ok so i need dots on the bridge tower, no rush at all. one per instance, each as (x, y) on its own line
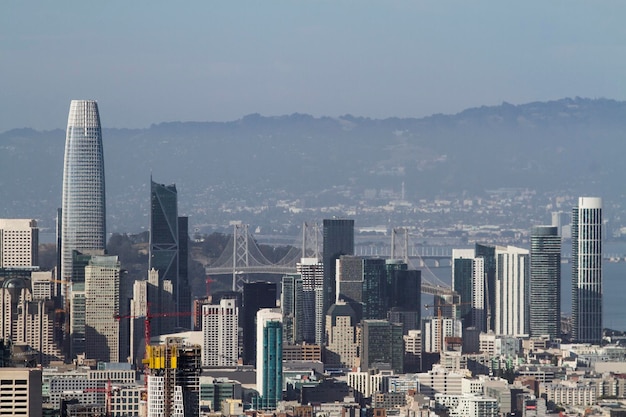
(311, 233)
(240, 253)
(400, 244)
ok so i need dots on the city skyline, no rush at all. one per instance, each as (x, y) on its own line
(346, 335)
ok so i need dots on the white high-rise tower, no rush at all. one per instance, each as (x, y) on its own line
(219, 332)
(83, 226)
(512, 291)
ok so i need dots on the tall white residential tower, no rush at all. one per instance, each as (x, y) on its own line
(220, 324)
(512, 291)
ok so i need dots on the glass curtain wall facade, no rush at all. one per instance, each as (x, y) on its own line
(374, 289)
(405, 298)
(269, 375)
(382, 344)
(587, 270)
(462, 278)
(291, 299)
(256, 296)
(545, 281)
(169, 246)
(83, 224)
(338, 237)
(488, 253)
(311, 271)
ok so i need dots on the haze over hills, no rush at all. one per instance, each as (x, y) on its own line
(572, 146)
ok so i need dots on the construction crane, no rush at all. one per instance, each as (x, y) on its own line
(148, 316)
(440, 318)
(208, 281)
(108, 390)
(65, 284)
(66, 303)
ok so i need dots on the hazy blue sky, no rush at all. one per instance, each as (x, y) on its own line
(153, 61)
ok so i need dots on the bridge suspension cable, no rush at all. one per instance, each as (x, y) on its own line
(242, 255)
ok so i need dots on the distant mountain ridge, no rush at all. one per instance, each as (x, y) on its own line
(569, 144)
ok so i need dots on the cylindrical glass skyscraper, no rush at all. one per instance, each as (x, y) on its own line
(83, 225)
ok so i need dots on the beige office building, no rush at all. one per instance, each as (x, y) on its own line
(19, 243)
(20, 392)
(102, 305)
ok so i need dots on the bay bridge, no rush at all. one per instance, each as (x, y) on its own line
(242, 256)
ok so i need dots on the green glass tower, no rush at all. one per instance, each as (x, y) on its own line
(269, 366)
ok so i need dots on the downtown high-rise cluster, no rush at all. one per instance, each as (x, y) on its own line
(337, 313)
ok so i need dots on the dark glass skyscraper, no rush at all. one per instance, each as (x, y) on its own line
(488, 253)
(168, 245)
(338, 240)
(256, 296)
(587, 270)
(545, 281)
(382, 344)
(83, 224)
(291, 304)
(462, 282)
(375, 301)
(405, 295)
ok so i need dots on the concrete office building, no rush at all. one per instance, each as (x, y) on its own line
(27, 317)
(103, 340)
(312, 274)
(20, 392)
(19, 243)
(220, 326)
(436, 330)
(341, 338)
